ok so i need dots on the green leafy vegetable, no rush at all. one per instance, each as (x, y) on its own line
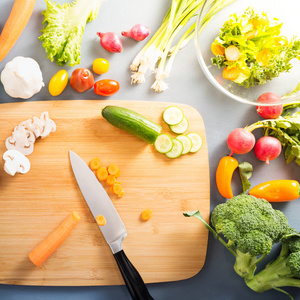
(264, 53)
(245, 170)
(62, 34)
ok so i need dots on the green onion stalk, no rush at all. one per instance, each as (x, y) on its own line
(159, 50)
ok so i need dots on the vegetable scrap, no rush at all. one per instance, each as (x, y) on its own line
(101, 221)
(15, 24)
(49, 245)
(146, 214)
(158, 50)
(63, 43)
(22, 77)
(109, 175)
(252, 50)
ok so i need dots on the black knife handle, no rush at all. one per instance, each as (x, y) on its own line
(132, 278)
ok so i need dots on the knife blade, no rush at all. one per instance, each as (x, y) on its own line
(114, 230)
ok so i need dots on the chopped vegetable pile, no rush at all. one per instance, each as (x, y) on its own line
(251, 49)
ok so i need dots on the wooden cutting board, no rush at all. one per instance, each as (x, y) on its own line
(168, 247)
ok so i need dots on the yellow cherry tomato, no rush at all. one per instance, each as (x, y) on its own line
(100, 65)
(58, 83)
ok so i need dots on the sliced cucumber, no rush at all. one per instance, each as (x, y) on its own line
(176, 150)
(163, 143)
(173, 115)
(182, 127)
(186, 143)
(196, 141)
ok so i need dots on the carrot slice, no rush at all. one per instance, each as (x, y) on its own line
(118, 174)
(101, 221)
(117, 188)
(281, 41)
(111, 180)
(113, 169)
(146, 214)
(263, 57)
(231, 73)
(101, 173)
(232, 53)
(217, 49)
(251, 34)
(112, 189)
(47, 247)
(121, 194)
(95, 164)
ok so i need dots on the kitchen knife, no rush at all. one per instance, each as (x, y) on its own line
(114, 230)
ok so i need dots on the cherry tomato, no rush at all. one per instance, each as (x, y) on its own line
(58, 83)
(100, 65)
(82, 80)
(106, 87)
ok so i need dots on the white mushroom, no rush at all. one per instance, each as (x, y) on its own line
(31, 126)
(49, 125)
(15, 162)
(21, 140)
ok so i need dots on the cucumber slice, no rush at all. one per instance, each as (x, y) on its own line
(196, 141)
(163, 143)
(176, 150)
(186, 143)
(181, 127)
(173, 115)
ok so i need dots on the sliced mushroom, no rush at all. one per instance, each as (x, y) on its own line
(49, 126)
(15, 162)
(21, 140)
(31, 126)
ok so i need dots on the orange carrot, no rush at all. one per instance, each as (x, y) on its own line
(146, 214)
(111, 180)
(231, 73)
(217, 49)
(121, 194)
(118, 174)
(101, 221)
(251, 34)
(263, 57)
(15, 24)
(232, 53)
(113, 169)
(101, 173)
(112, 189)
(117, 188)
(47, 247)
(95, 164)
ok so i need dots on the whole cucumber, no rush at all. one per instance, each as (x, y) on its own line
(132, 122)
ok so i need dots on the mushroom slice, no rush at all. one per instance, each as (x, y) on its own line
(21, 140)
(31, 126)
(49, 126)
(15, 162)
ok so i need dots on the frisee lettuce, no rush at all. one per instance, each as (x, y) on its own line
(266, 37)
(63, 29)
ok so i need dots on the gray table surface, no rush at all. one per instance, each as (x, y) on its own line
(217, 279)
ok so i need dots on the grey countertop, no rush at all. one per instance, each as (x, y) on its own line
(217, 279)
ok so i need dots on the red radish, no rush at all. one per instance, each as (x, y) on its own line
(240, 141)
(267, 148)
(110, 42)
(138, 32)
(272, 111)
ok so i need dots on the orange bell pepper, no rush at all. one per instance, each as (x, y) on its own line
(224, 173)
(277, 190)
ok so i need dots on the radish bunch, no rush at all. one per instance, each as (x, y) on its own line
(242, 140)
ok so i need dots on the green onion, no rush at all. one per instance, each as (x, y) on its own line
(159, 54)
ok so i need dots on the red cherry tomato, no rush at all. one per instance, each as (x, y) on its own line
(82, 80)
(106, 87)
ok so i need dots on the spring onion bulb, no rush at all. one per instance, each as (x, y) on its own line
(159, 53)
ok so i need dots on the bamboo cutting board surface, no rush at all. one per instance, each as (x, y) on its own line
(168, 247)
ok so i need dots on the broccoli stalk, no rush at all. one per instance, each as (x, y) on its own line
(250, 225)
(283, 271)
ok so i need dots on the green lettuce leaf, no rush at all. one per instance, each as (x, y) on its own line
(63, 29)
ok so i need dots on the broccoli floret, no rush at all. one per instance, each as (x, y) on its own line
(284, 270)
(251, 227)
